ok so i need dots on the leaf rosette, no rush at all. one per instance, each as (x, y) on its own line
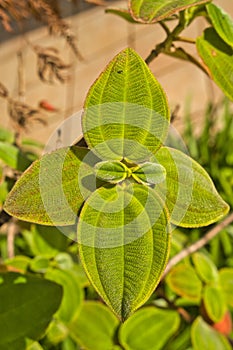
(124, 190)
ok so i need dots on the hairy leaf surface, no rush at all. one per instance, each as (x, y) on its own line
(123, 244)
(124, 118)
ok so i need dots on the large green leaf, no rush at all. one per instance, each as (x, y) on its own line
(190, 195)
(218, 57)
(150, 11)
(222, 22)
(149, 328)
(126, 111)
(205, 337)
(124, 244)
(95, 327)
(184, 281)
(26, 308)
(53, 189)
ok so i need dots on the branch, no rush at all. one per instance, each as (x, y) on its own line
(199, 244)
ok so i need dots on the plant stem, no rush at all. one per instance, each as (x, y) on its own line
(199, 244)
(185, 40)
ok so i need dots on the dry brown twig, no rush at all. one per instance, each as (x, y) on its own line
(50, 65)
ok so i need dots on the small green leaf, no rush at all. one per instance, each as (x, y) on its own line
(95, 327)
(26, 308)
(52, 189)
(149, 328)
(184, 281)
(222, 22)
(205, 337)
(13, 156)
(114, 223)
(214, 303)
(189, 192)
(218, 57)
(72, 294)
(149, 173)
(6, 135)
(113, 172)
(126, 112)
(205, 267)
(39, 264)
(19, 262)
(151, 11)
(226, 282)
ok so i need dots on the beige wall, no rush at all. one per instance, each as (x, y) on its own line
(100, 37)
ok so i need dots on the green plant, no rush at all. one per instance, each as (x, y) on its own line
(127, 191)
(141, 187)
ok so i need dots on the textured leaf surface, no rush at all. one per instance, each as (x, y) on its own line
(218, 57)
(184, 281)
(52, 189)
(124, 90)
(205, 337)
(149, 328)
(149, 173)
(150, 11)
(190, 195)
(124, 244)
(26, 308)
(95, 327)
(205, 267)
(113, 172)
(222, 22)
(214, 302)
(226, 281)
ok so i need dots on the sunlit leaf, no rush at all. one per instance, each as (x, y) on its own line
(53, 189)
(123, 13)
(149, 328)
(149, 173)
(222, 22)
(214, 302)
(205, 267)
(124, 244)
(95, 327)
(205, 337)
(190, 195)
(218, 57)
(150, 11)
(184, 281)
(113, 172)
(13, 156)
(26, 308)
(125, 118)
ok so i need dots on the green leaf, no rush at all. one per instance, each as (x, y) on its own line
(151, 11)
(12, 156)
(95, 327)
(126, 89)
(72, 294)
(53, 189)
(39, 264)
(226, 282)
(6, 135)
(113, 172)
(218, 57)
(149, 173)
(123, 228)
(19, 262)
(149, 328)
(26, 308)
(222, 22)
(205, 267)
(205, 337)
(184, 281)
(214, 303)
(190, 195)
